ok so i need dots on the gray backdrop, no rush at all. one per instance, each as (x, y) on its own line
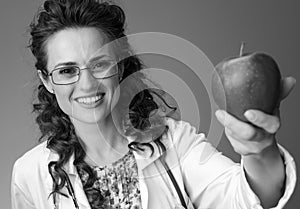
(217, 27)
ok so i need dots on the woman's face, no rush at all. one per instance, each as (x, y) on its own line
(81, 47)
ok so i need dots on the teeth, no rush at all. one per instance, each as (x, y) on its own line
(89, 100)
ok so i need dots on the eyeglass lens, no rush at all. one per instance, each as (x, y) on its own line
(70, 74)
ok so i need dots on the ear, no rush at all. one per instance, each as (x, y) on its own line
(47, 83)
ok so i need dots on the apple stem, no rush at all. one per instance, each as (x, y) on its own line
(242, 48)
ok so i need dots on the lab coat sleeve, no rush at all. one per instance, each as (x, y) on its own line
(214, 181)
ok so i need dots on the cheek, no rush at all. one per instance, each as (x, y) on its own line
(63, 96)
(114, 92)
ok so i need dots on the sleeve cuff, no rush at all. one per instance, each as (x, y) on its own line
(290, 183)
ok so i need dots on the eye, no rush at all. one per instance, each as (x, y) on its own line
(67, 71)
(102, 65)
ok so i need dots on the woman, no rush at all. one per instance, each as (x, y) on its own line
(95, 155)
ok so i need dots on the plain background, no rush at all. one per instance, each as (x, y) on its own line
(217, 27)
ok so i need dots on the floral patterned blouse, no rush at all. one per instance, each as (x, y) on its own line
(117, 183)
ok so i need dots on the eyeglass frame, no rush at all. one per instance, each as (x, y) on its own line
(79, 71)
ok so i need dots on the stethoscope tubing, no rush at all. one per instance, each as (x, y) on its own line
(71, 190)
(166, 167)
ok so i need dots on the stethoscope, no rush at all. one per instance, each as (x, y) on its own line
(166, 167)
(71, 190)
(68, 185)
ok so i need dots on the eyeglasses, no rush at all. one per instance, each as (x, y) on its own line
(70, 74)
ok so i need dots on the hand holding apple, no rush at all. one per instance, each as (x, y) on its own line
(247, 139)
(251, 131)
(250, 81)
(249, 89)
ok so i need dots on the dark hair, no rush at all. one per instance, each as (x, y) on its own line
(54, 124)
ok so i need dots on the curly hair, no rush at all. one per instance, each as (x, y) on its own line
(54, 124)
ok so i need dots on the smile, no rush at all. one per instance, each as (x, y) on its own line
(90, 100)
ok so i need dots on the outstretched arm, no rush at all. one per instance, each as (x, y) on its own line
(257, 145)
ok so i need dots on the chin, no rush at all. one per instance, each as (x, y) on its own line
(89, 118)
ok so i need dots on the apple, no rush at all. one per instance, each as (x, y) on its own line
(249, 81)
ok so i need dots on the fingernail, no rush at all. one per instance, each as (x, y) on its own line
(220, 115)
(250, 115)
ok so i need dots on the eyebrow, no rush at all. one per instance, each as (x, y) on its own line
(65, 64)
(74, 63)
(99, 57)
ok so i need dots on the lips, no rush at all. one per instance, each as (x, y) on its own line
(89, 100)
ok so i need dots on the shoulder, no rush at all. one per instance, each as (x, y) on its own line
(30, 177)
(184, 136)
(180, 130)
(33, 156)
(32, 161)
(179, 127)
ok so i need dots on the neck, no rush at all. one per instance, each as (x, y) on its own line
(102, 141)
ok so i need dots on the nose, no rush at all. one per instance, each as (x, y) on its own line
(87, 81)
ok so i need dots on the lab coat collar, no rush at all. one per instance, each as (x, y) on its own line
(143, 159)
(147, 157)
(68, 167)
(75, 181)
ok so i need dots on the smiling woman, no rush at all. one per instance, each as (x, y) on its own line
(77, 56)
(80, 73)
(98, 150)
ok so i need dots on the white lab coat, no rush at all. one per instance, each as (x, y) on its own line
(207, 178)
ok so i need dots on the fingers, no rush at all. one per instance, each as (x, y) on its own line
(270, 123)
(245, 138)
(234, 127)
(287, 85)
(244, 131)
